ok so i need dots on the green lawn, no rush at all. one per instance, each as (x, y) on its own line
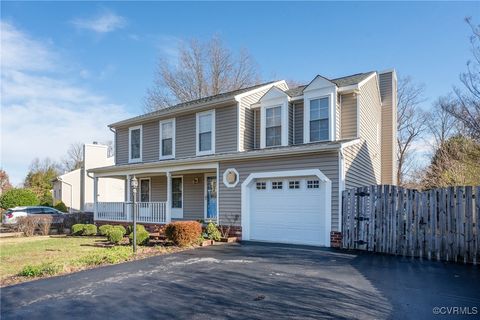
(47, 255)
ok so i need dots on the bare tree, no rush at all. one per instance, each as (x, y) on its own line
(4, 181)
(111, 148)
(74, 158)
(410, 124)
(203, 69)
(441, 124)
(467, 108)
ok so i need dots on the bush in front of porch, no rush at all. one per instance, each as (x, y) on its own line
(183, 233)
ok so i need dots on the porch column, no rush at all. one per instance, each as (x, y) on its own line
(168, 208)
(127, 206)
(95, 198)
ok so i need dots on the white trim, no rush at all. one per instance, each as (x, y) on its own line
(177, 213)
(205, 200)
(361, 83)
(357, 97)
(245, 196)
(239, 142)
(242, 95)
(130, 129)
(332, 101)
(226, 183)
(218, 193)
(283, 105)
(197, 144)
(169, 198)
(140, 189)
(162, 122)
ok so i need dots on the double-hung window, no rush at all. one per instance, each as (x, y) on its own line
(135, 144)
(319, 119)
(273, 126)
(167, 139)
(206, 132)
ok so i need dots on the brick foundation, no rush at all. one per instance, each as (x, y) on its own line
(335, 239)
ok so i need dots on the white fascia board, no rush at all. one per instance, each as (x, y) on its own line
(238, 97)
(361, 83)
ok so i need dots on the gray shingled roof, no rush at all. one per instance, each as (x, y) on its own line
(184, 105)
(340, 82)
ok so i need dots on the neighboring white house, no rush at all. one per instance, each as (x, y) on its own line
(75, 188)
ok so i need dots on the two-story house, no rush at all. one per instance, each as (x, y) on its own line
(269, 159)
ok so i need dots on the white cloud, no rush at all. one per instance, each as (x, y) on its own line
(42, 113)
(105, 22)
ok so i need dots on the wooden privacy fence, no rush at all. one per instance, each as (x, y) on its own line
(441, 224)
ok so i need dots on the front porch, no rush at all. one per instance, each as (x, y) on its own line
(164, 194)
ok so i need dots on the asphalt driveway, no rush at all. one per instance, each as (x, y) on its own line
(251, 281)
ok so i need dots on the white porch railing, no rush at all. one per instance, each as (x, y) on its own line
(147, 212)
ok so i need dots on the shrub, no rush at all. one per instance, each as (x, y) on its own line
(27, 225)
(89, 230)
(212, 232)
(183, 233)
(60, 206)
(122, 228)
(142, 237)
(18, 197)
(111, 255)
(115, 235)
(104, 229)
(139, 228)
(77, 229)
(44, 223)
(39, 270)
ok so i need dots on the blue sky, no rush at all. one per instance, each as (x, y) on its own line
(69, 69)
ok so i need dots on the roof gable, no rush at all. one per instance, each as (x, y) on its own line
(319, 82)
(273, 93)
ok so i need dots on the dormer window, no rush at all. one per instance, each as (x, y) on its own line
(273, 126)
(135, 144)
(319, 119)
(167, 139)
(206, 132)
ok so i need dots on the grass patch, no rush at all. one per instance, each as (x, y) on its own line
(22, 259)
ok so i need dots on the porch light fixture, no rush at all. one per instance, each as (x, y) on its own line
(134, 184)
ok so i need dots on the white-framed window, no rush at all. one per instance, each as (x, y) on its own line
(319, 119)
(167, 139)
(205, 132)
(273, 126)
(177, 192)
(294, 184)
(313, 184)
(144, 190)
(135, 144)
(262, 185)
(277, 185)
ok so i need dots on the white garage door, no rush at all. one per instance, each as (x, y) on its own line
(288, 210)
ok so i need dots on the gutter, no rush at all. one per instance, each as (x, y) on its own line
(245, 155)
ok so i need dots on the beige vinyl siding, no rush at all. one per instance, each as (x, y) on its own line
(151, 145)
(226, 129)
(121, 145)
(159, 188)
(298, 134)
(348, 116)
(185, 131)
(337, 118)
(246, 119)
(370, 121)
(389, 133)
(290, 124)
(257, 128)
(230, 198)
(359, 170)
(193, 196)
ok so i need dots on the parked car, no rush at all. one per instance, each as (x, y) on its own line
(10, 216)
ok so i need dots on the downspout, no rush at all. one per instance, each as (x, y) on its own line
(341, 186)
(293, 123)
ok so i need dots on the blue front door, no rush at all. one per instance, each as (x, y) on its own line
(211, 189)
